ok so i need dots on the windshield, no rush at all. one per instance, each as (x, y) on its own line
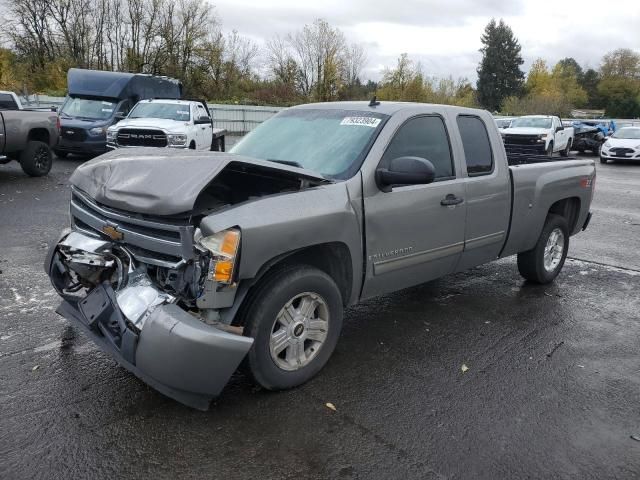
(167, 111)
(533, 122)
(88, 108)
(628, 133)
(502, 123)
(330, 142)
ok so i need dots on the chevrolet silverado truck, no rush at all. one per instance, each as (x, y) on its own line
(538, 134)
(28, 137)
(183, 264)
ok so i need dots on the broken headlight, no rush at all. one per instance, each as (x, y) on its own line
(224, 250)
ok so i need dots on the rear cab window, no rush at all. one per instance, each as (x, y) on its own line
(7, 102)
(425, 137)
(477, 146)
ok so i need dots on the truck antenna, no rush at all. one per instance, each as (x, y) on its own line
(374, 101)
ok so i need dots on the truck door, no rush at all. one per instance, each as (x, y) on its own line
(559, 135)
(205, 131)
(487, 193)
(415, 233)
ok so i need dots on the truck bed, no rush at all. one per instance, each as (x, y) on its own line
(536, 179)
(524, 158)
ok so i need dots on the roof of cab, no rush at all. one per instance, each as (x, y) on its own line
(384, 107)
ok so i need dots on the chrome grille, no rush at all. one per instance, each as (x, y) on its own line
(153, 241)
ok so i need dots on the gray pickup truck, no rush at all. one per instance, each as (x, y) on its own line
(184, 264)
(28, 137)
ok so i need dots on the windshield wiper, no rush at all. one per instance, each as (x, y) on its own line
(290, 163)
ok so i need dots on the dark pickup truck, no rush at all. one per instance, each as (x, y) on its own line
(181, 264)
(28, 136)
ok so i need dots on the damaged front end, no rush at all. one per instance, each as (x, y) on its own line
(138, 275)
(135, 285)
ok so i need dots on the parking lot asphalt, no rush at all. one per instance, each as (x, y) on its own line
(552, 387)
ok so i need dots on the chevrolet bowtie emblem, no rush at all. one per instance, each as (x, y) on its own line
(112, 232)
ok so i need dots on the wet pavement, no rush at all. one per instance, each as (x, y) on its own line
(552, 388)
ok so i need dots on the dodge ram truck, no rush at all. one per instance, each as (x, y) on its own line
(28, 137)
(183, 264)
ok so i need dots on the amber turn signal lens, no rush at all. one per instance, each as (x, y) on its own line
(223, 271)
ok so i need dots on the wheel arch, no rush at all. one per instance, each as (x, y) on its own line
(569, 208)
(39, 134)
(333, 258)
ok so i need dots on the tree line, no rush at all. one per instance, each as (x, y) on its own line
(185, 39)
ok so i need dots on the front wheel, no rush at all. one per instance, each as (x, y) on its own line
(36, 159)
(543, 263)
(295, 318)
(603, 160)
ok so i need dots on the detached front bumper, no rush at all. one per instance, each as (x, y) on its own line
(173, 352)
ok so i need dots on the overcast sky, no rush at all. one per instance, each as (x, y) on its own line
(445, 35)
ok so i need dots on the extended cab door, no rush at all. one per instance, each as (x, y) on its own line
(414, 233)
(487, 190)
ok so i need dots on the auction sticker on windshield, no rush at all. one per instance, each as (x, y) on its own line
(361, 121)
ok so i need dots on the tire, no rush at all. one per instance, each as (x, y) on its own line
(267, 364)
(532, 265)
(603, 160)
(550, 150)
(567, 150)
(61, 154)
(192, 146)
(36, 159)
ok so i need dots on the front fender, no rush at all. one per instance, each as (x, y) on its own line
(277, 225)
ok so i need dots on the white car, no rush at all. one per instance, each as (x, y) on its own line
(164, 123)
(624, 144)
(544, 134)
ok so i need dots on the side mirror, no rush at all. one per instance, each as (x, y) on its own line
(559, 128)
(120, 116)
(54, 109)
(405, 171)
(202, 120)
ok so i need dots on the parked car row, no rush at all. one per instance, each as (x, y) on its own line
(105, 111)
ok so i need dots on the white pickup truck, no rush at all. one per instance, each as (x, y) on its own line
(538, 134)
(167, 123)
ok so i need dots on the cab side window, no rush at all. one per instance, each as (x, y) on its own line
(476, 144)
(202, 112)
(425, 137)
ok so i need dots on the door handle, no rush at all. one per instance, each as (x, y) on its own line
(451, 200)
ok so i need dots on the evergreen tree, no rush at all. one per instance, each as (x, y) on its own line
(499, 74)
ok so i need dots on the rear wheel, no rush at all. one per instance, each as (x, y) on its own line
(567, 149)
(543, 263)
(295, 318)
(36, 159)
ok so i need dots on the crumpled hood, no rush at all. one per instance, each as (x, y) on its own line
(161, 181)
(161, 123)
